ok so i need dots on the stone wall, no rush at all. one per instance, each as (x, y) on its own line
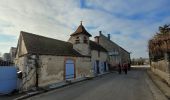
(27, 68)
(162, 68)
(102, 57)
(50, 69)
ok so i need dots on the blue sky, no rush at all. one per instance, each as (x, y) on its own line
(131, 23)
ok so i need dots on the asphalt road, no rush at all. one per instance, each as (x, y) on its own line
(132, 86)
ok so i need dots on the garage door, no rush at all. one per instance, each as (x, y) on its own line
(69, 70)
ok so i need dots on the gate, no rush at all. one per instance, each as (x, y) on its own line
(69, 70)
(8, 79)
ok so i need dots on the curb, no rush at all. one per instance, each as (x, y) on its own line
(47, 90)
(67, 83)
(156, 80)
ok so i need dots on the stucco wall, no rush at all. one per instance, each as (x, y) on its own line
(94, 55)
(22, 48)
(83, 67)
(51, 69)
(102, 58)
(81, 47)
(27, 68)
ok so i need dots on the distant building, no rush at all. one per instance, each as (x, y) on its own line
(6, 57)
(1, 59)
(12, 53)
(140, 61)
(117, 54)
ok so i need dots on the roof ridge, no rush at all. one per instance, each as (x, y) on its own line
(113, 42)
(23, 32)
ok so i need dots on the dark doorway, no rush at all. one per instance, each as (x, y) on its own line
(97, 67)
(105, 69)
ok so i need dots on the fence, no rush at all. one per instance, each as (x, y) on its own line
(8, 79)
(6, 63)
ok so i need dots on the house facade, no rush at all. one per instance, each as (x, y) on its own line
(116, 54)
(45, 61)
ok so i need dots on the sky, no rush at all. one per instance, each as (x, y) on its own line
(131, 23)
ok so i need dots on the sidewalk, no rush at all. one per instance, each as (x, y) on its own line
(11, 96)
(45, 89)
(160, 83)
(51, 87)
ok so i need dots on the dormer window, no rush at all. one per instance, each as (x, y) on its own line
(77, 40)
(85, 40)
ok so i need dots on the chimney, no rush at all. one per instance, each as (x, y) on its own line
(108, 36)
(100, 32)
(96, 39)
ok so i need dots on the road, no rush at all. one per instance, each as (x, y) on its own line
(132, 86)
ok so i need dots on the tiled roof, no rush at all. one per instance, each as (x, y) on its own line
(95, 46)
(81, 30)
(36, 44)
(101, 35)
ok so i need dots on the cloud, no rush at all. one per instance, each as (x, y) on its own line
(130, 22)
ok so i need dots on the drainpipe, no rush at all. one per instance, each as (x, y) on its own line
(36, 71)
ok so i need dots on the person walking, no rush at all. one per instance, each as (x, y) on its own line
(129, 67)
(125, 67)
(119, 68)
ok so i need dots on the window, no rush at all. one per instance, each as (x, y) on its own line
(85, 40)
(77, 40)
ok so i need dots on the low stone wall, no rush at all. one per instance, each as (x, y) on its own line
(161, 68)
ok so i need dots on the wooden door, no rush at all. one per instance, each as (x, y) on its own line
(69, 70)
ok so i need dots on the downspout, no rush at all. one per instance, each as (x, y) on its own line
(36, 71)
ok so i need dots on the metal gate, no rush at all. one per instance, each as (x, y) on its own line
(69, 70)
(8, 79)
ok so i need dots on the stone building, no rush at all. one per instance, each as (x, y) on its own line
(82, 44)
(45, 61)
(115, 52)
